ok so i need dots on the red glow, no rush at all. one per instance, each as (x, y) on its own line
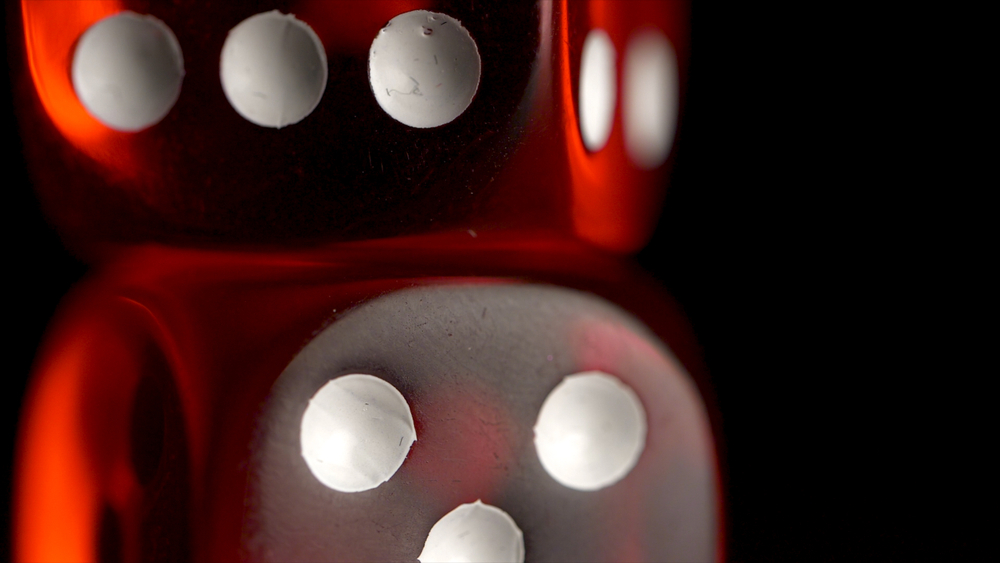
(349, 26)
(51, 30)
(73, 451)
(56, 483)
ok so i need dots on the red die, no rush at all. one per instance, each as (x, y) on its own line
(309, 239)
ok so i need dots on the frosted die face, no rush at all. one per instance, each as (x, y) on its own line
(476, 365)
(127, 71)
(424, 68)
(273, 69)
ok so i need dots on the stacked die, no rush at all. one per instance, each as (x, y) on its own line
(360, 285)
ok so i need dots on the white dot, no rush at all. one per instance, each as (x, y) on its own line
(127, 71)
(356, 432)
(273, 69)
(650, 98)
(474, 532)
(591, 431)
(597, 89)
(424, 68)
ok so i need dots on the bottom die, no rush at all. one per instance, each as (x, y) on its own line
(204, 406)
(551, 405)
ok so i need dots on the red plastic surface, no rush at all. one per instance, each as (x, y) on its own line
(204, 176)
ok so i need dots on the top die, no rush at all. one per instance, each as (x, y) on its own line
(317, 122)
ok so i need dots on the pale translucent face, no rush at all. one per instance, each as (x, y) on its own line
(579, 432)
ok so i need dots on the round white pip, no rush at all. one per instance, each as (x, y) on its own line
(650, 98)
(273, 69)
(597, 89)
(474, 532)
(127, 71)
(424, 68)
(591, 431)
(356, 432)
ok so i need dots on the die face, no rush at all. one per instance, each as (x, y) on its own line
(233, 331)
(476, 363)
(347, 171)
(204, 175)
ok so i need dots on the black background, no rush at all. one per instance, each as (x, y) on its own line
(790, 243)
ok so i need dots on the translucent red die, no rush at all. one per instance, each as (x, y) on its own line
(251, 246)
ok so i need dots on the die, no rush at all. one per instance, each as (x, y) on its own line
(454, 272)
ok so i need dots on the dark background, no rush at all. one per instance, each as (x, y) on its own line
(791, 239)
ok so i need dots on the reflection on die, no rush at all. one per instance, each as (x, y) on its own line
(361, 287)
